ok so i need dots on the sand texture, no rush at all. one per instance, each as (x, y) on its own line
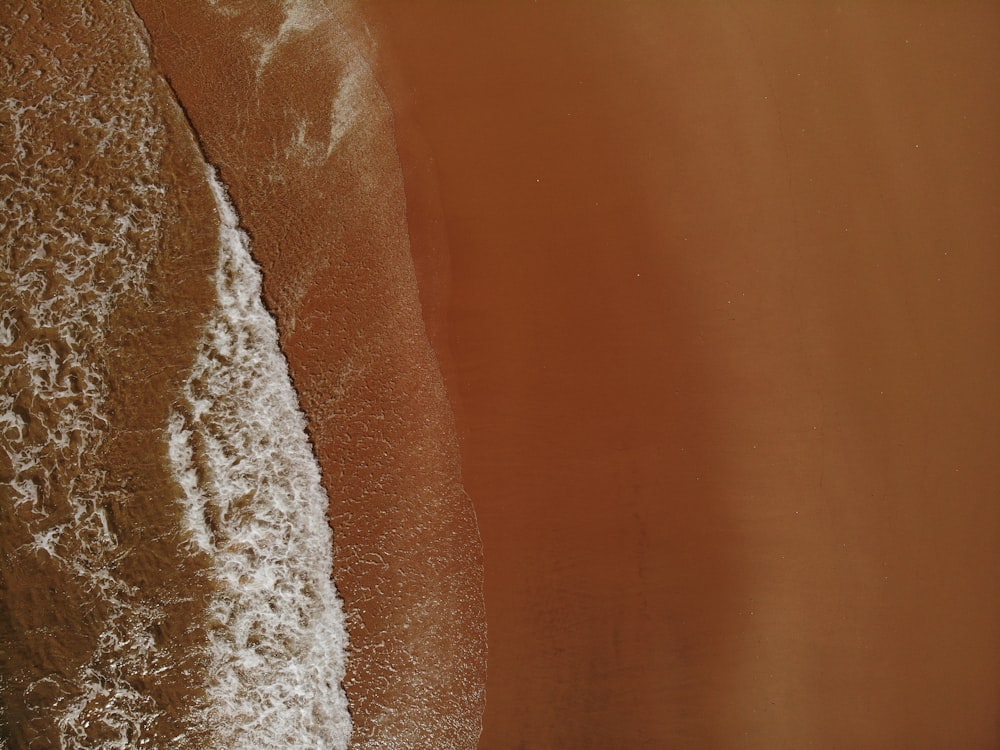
(716, 290)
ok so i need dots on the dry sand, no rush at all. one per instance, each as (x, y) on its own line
(715, 287)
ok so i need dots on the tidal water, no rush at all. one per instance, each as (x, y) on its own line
(167, 558)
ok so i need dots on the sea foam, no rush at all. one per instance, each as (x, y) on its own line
(254, 503)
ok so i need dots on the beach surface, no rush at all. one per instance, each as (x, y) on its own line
(715, 290)
(656, 340)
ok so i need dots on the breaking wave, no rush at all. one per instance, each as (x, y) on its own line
(254, 503)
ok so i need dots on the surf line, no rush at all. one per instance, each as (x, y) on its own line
(254, 502)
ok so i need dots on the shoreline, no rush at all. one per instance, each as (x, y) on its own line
(302, 139)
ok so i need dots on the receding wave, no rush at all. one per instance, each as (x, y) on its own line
(82, 218)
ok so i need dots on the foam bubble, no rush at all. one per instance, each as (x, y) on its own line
(254, 503)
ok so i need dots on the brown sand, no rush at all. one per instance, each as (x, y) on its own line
(716, 290)
(327, 221)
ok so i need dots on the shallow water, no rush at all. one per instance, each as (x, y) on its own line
(303, 137)
(167, 558)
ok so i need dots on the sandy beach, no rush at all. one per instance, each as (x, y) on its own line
(715, 292)
(641, 358)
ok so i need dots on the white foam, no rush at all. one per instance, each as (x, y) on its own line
(345, 112)
(254, 502)
(301, 16)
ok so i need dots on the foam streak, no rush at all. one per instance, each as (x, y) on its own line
(254, 503)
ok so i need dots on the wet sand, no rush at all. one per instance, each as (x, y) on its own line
(715, 290)
(286, 107)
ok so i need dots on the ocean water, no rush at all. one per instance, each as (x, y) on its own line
(166, 557)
